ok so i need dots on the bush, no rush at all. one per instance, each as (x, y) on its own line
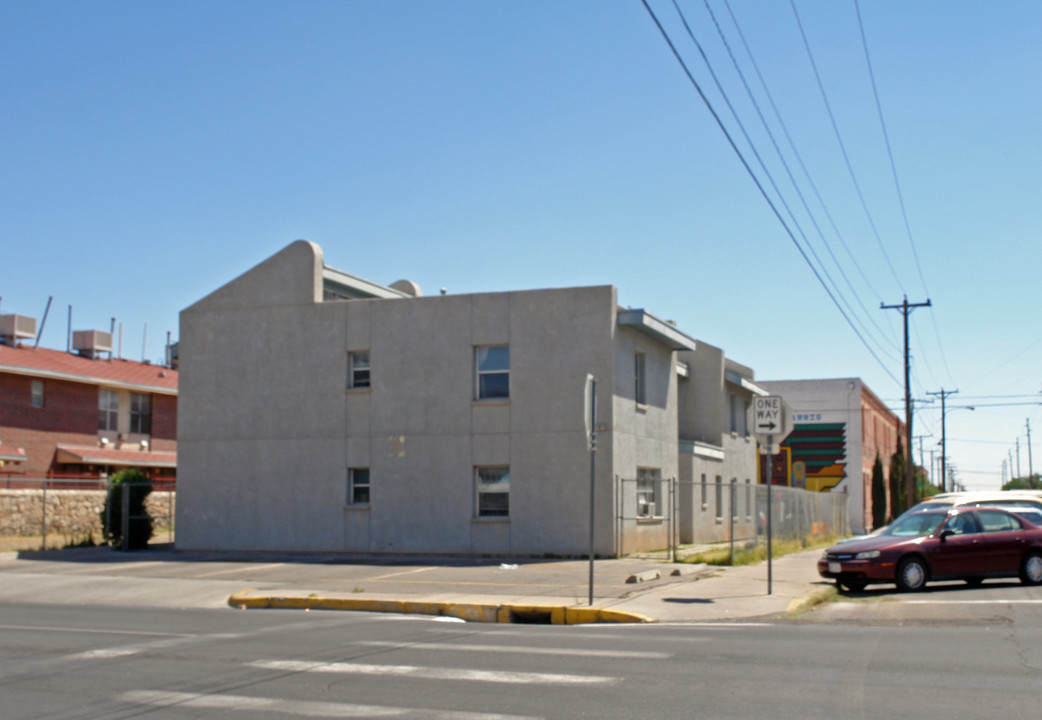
(137, 484)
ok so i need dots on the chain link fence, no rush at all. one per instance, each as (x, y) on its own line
(665, 513)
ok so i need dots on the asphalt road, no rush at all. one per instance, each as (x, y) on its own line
(847, 661)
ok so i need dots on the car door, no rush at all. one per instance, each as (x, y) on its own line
(958, 554)
(1002, 542)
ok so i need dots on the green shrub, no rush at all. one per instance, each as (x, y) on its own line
(137, 484)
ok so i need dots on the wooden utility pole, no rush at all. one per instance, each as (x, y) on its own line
(905, 307)
(944, 448)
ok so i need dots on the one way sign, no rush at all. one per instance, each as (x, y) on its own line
(770, 416)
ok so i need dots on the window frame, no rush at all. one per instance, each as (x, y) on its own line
(488, 476)
(354, 371)
(356, 483)
(108, 416)
(37, 394)
(649, 477)
(483, 371)
(141, 417)
(640, 378)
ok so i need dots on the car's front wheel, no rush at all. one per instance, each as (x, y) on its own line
(1031, 569)
(911, 575)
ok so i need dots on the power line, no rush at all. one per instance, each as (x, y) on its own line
(781, 158)
(759, 186)
(842, 145)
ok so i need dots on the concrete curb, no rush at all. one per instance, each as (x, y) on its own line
(471, 612)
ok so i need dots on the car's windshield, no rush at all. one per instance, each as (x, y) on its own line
(916, 524)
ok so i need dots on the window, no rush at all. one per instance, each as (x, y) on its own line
(108, 409)
(639, 380)
(493, 486)
(358, 370)
(493, 371)
(358, 486)
(649, 499)
(705, 502)
(994, 521)
(36, 399)
(140, 413)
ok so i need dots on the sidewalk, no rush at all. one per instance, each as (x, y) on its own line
(528, 590)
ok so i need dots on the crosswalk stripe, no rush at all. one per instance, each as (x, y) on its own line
(521, 649)
(515, 678)
(298, 708)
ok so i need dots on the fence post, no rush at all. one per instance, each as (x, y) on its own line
(170, 514)
(125, 501)
(43, 515)
(730, 514)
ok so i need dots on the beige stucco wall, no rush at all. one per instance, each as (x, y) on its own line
(268, 428)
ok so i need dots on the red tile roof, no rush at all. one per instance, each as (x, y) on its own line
(109, 456)
(44, 363)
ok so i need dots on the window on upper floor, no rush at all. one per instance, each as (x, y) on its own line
(639, 379)
(492, 376)
(36, 396)
(108, 409)
(140, 413)
(358, 370)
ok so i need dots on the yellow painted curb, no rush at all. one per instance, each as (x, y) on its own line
(809, 600)
(471, 612)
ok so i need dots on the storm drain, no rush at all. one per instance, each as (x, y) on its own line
(530, 617)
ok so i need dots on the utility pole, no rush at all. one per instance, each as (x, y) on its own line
(944, 448)
(905, 309)
(1031, 471)
(1018, 457)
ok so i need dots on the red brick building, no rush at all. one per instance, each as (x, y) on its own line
(84, 413)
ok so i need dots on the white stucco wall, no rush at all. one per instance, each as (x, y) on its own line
(268, 427)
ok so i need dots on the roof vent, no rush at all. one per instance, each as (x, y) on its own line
(91, 343)
(16, 327)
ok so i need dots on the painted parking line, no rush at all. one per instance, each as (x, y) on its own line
(431, 673)
(245, 568)
(296, 708)
(520, 649)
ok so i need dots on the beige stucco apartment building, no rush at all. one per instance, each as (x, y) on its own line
(322, 412)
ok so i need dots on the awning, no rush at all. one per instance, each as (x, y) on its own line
(8, 454)
(87, 455)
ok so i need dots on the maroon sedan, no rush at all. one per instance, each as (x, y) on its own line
(960, 543)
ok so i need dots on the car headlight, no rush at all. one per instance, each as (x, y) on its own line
(867, 555)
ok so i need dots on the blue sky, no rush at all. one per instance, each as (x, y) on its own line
(154, 151)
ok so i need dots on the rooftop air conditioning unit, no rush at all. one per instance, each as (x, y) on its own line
(91, 343)
(16, 327)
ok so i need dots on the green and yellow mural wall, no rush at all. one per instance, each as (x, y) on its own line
(813, 456)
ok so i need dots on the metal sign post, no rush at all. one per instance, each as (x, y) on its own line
(591, 434)
(769, 417)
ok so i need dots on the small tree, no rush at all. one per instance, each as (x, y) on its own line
(897, 481)
(878, 494)
(137, 485)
